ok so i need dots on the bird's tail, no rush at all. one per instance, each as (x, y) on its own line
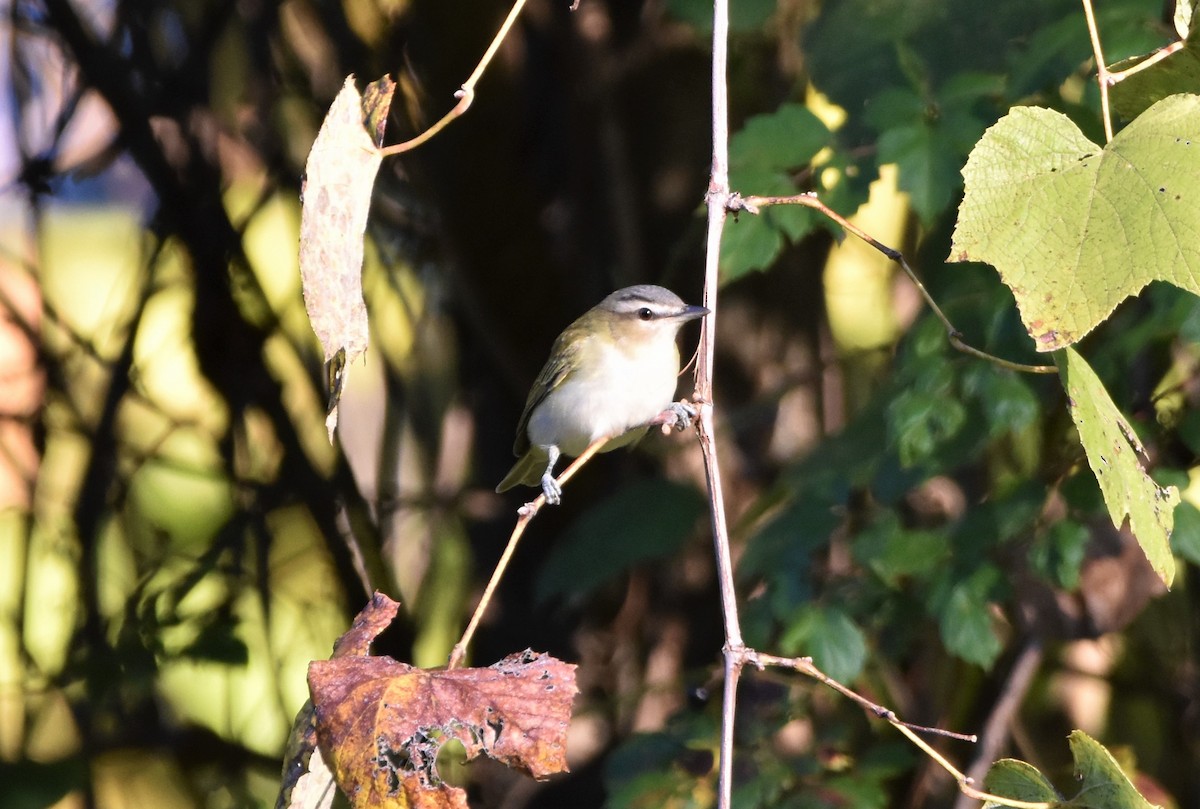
(526, 471)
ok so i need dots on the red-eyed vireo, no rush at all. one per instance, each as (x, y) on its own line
(610, 373)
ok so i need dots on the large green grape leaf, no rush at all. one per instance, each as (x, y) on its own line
(1112, 451)
(1075, 228)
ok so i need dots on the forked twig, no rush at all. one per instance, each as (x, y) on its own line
(1102, 74)
(465, 93)
(809, 199)
(804, 665)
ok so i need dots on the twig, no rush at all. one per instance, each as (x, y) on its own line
(1152, 59)
(1102, 75)
(525, 515)
(804, 665)
(718, 205)
(752, 204)
(465, 93)
(996, 728)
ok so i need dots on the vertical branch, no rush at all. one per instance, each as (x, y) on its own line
(717, 200)
(1102, 74)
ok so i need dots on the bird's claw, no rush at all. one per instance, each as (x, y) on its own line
(551, 489)
(678, 415)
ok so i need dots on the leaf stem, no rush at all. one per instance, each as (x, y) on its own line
(809, 199)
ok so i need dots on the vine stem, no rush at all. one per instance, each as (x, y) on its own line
(717, 199)
(465, 93)
(1102, 75)
(752, 204)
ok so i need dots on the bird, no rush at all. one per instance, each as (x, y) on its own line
(609, 374)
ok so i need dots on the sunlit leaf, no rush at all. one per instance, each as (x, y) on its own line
(1075, 228)
(1113, 451)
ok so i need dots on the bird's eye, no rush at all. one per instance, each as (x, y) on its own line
(645, 314)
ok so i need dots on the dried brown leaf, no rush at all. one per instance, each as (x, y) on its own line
(370, 621)
(306, 782)
(381, 723)
(339, 176)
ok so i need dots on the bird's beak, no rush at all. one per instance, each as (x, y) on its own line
(691, 313)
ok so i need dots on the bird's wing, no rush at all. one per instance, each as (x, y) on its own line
(560, 366)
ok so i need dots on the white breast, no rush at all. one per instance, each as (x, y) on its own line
(614, 396)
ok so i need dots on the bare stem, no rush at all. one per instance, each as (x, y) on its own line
(524, 516)
(804, 665)
(810, 200)
(718, 205)
(1102, 75)
(1152, 59)
(466, 93)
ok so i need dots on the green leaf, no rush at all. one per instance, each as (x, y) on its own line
(894, 553)
(922, 421)
(762, 156)
(830, 637)
(787, 138)
(1074, 228)
(966, 621)
(1006, 398)
(1010, 778)
(1105, 785)
(1179, 72)
(1185, 538)
(648, 520)
(928, 166)
(1112, 450)
(1058, 555)
(748, 244)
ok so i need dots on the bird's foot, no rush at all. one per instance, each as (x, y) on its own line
(678, 415)
(551, 489)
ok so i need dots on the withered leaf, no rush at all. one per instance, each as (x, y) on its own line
(381, 723)
(306, 782)
(372, 619)
(339, 176)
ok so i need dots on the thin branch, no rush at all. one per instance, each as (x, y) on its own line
(809, 199)
(1152, 59)
(997, 727)
(465, 93)
(525, 515)
(717, 200)
(804, 665)
(1102, 75)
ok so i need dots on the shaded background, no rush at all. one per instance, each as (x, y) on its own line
(178, 539)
